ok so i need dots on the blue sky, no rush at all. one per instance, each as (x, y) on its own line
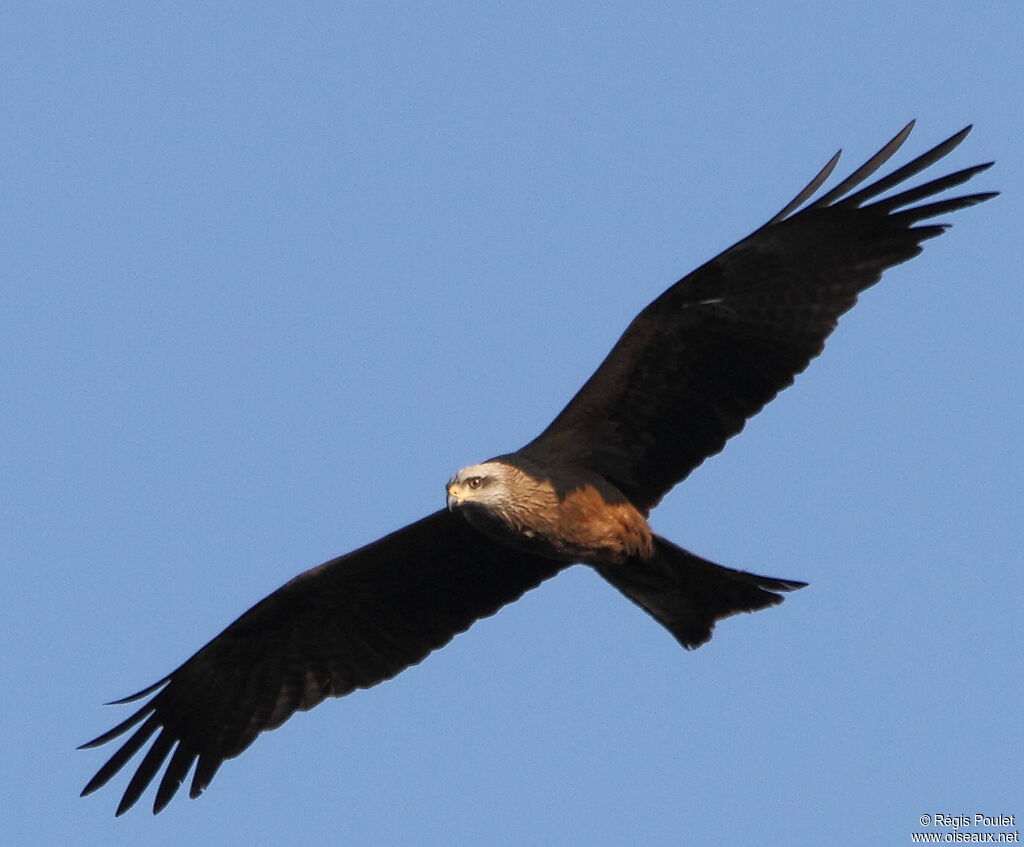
(273, 272)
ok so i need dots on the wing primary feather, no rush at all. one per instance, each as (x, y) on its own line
(941, 207)
(206, 769)
(910, 169)
(120, 729)
(126, 751)
(865, 170)
(808, 189)
(935, 186)
(147, 769)
(131, 698)
(174, 776)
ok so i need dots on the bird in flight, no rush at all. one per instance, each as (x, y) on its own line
(685, 376)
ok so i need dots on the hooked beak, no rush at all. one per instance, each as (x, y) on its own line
(454, 498)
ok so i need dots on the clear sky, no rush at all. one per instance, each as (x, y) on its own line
(273, 271)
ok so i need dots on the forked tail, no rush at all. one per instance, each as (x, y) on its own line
(687, 594)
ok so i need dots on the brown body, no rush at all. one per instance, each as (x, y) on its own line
(567, 513)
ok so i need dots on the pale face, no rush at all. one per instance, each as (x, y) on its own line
(483, 483)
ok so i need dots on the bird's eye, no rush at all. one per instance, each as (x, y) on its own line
(474, 482)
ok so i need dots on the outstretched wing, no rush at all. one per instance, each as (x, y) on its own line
(349, 623)
(711, 351)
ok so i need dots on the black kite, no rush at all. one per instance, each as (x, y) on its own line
(685, 376)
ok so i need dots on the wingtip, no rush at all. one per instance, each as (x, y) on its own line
(96, 742)
(138, 695)
(94, 784)
(901, 136)
(954, 140)
(980, 197)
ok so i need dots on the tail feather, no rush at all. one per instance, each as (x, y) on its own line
(687, 594)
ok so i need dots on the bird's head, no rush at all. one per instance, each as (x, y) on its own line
(484, 485)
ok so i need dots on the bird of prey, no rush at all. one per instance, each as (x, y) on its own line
(684, 377)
